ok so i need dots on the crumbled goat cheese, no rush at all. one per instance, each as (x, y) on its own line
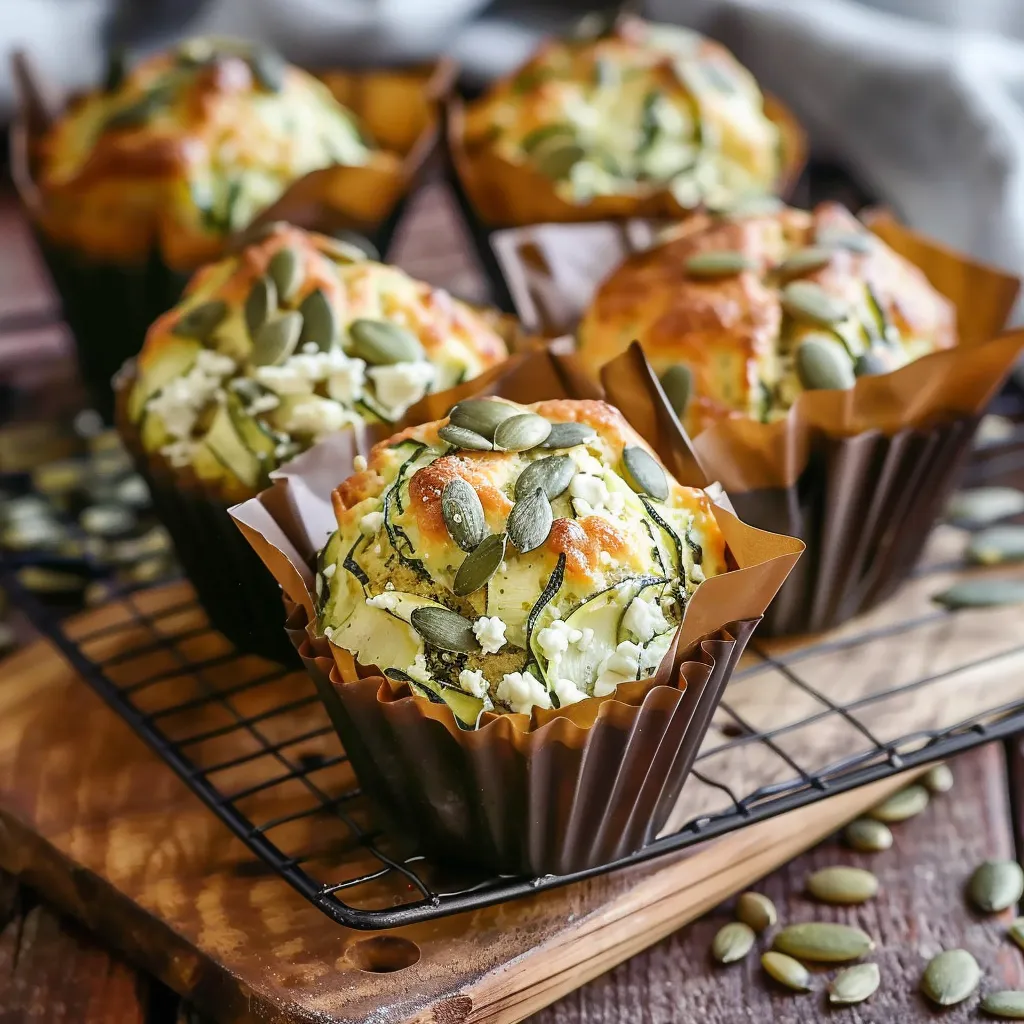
(644, 619)
(586, 638)
(317, 417)
(490, 631)
(263, 403)
(370, 524)
(618, 667)
(347, 383)
(329, 571)
(283, 380)
(554, 640)
(473, 682)
(418, 670)
(386, 602)
(359, 463)
(521, 692)
(568, 692)
(400, 385)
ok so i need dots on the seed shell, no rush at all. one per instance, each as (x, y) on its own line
(870, 364)
(803, 261)
(720, 263)
(809, 303)
(842, 885)
(1016, 932)
(480, 565)
(529, 522)
(445, 629)
(756, 911)
(260, 303)
(521, 432)
(677, 383)
(997, 545)
(902, 805)
(786, 971)
(286, 271)
(868, 836)
(482, 415)
(996, 885)
(320, 324)
(463, 438)
(382, 343)
(568, 435)
(983, 505)
(202, 320)
(276, 340)
(733, 942)
(643, 473)
(552, 475)
(939, 778)
(463, 514)
(822, 365)
(854, 984)
(981, 593)
(951, 977)
(1008, 1005)
(823, 942)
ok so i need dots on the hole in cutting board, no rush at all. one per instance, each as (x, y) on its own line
(383, 954)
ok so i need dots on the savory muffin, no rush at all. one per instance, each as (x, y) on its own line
(640, 109)
(186, 148)
(740, 314)
(512, 557)
(294, 337)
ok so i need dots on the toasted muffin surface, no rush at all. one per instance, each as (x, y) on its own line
(638, 109)
(503, 580)
(747, 331)
(291, 339)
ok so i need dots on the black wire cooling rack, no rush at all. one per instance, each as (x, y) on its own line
(253, 742)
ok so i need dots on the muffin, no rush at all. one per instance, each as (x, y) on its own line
(641, 119)
(295, 337)
(514, 557)
(740, 315)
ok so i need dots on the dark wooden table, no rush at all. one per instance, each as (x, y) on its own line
(51, 969)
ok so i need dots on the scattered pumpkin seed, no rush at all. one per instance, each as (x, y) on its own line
(939, 778)
(529, 522)
(1016, 932)
(810, 303)
(521, 432)
(981, 593)
(445, 629)
(482, 415)
(870, 364)
(560, 132)
(268, 68)
(286, 271)
(463, 514)
(568, 435)
(276, 340)
(902, 805)
(320, 324)
(842, 885)
(202, 320)
(677, 383)
(997, 545)
(260, 303)
(643, 474)
(756, 911)
(463, 438)
(733, 942)
(996, 885)
(823, 942)
(551, 474)
(868, 836)
(854, 984)
(1009, 1005)
(382, 343)
(351, 246)
(983, 505)
(839, 238)
(822, 365)
(786, 971)
(803, 261)
(951, 977)
(720, 263)
(480, 565)
(138, 113)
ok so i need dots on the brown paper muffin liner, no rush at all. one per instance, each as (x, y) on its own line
(110, 299)
(559, 790)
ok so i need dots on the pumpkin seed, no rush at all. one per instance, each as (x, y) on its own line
(552, 475)
(445, 629)
(854, 984)
(138, 113)
(463, 514)
(721, 263)
(351, 247)
(902, 805)
(1016, 932)
(468, 440)
(840, 238)
(810, 303)
(320, 324)
(983, 505)
(756, 911)
(568, 435)
(868, 836)
(276, 340)
(268, 68)
(559, 132)
(643, 473)
(996, 545)
(677, 383)
(982, 593)
(556, 159)
(822, 365)
(202, 320)
(733, 942)
(786, 971)
(521, 432)
(939, 779)
(286, 270)
(870, 364)
(823, 941)
(381, 342)
(803, 261)
(260, 304)
(996, 885)
(951, 977)
(480, 565)
(1009, 1005)
(482, 415)
(529, 522)
(842, 885)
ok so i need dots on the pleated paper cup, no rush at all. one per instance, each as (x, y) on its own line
(557, 790)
